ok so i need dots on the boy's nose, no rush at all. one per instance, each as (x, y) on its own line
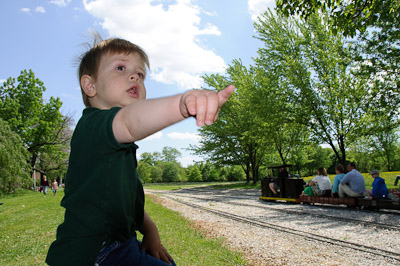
(134, 76)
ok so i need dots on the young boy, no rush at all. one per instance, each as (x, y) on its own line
(104, 198)
(379, 189)
(54, 187)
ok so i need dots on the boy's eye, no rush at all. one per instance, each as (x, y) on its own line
(141, 75)
(120, 68)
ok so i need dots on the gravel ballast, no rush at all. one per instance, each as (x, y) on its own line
(267, 246)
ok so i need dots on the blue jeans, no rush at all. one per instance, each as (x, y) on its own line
(127, 253)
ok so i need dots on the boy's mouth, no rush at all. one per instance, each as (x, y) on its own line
(133, 92)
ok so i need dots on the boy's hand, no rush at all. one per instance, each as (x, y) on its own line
(152, 245)
(204, 104)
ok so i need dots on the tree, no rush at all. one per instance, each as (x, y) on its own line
(14, 169)
(234, 138)
(315, 67)
(300, 157)
(170, 172)
(144, 171)
(317, 157)
(235, 173)
(360, 152)
(346, 16)
(38, 124)
(380, 44)
(54, 158)
(156, 174)
(214, 174)
(194, 173)
(381, 134)
(170, 154)
(148, 158)
(376, 26)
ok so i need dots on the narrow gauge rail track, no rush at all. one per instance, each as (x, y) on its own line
(304, 213)
(385, 211)
(307, 235)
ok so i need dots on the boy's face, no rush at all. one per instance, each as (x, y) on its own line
(120, 81)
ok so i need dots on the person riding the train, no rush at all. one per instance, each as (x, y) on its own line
(352, 184)
(275, 186)
(320, 185)
(379, 189)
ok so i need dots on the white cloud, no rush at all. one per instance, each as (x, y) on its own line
(184, 136)
(60, 3)
(2, 81)
(26, 10)
(258, 7)
(170, 32)
(40, 9)
(187, 160)
(157, 135)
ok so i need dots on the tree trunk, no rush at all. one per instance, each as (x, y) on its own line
(247, 172)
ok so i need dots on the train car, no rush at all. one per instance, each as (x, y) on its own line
(290, 190)
(377, 204)
(350, 202)
(361, 203)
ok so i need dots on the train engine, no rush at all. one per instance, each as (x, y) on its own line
(280, 185)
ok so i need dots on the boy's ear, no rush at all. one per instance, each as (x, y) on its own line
(87, 85)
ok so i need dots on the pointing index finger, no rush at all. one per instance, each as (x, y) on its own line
(224, 95)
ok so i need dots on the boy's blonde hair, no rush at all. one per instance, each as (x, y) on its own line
(90, 60)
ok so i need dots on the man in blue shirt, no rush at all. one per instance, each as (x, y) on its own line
(339, 169)
(352, 184)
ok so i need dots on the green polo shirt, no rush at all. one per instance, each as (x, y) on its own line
(104, 199)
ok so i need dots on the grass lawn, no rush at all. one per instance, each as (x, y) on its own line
(28, 223)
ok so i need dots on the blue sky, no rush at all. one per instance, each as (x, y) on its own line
(184, 40)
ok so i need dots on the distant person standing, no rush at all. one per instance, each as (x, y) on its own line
(45, 185)
(352, 184)
(54, 186)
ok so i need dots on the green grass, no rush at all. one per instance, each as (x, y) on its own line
(28, 223)
(186, 245)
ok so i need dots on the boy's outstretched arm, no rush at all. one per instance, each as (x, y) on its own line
(143, 118)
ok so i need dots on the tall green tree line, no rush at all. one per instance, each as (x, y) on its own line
(308, 86)
(40, 126)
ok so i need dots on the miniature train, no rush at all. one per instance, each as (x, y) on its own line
(290, 190)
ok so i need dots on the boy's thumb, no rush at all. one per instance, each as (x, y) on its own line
(225, 94)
